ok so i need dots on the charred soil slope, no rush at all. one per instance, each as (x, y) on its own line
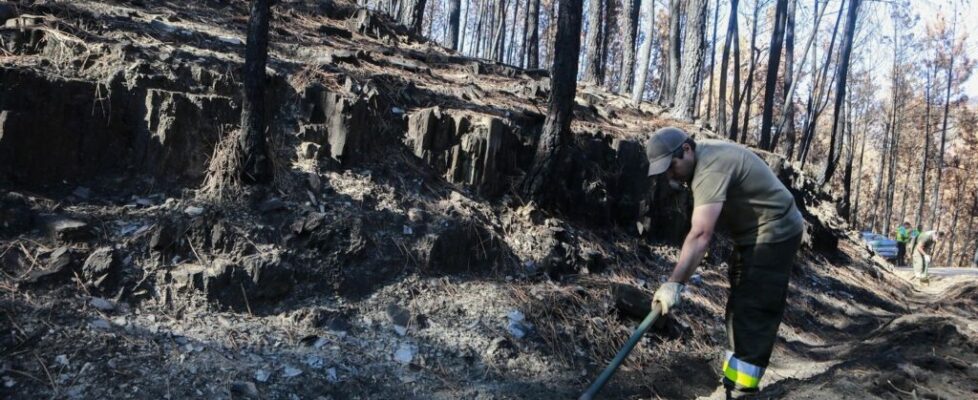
(390, 258)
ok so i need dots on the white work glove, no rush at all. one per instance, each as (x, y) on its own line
(927, 260)
(667, 296)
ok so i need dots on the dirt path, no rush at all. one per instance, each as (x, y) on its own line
(930, 351)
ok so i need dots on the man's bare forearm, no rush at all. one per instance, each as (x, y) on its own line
(694, 247)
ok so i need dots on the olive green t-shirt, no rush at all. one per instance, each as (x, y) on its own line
(926, 241)
(757, 208)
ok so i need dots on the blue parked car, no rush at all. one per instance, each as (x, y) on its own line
(882, 245)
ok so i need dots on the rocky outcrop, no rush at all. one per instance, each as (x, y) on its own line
(342, 123)
(179, 132)
(475, 150)
(53, 128)
(238, 285)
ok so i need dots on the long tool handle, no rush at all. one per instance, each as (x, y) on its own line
(620, 357)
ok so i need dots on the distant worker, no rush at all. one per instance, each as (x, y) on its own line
(731, 183)
(902, 237)
(921, 251)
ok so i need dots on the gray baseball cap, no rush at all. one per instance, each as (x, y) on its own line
(660, 147)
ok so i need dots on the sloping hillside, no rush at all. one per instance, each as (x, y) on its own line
(391, 257)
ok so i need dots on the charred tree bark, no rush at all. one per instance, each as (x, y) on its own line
(789, 68)
(954, 227)
(840, 88)
(773, 65)
(629, 29)
(592, 45)
(921, 200)
(940, 154)
(815, 98)
(735, 107)
(894, 135)
(499, 38)
(674, 61)
(731, 37)
(256, 166)
(748, 95)
(713, 53)
(611, 17)
(644, 54)
(533, 39)
(412, 14)
(465, 25)
(846, 206)
(749, 87)
(695, 48)
(556, 132)
(879, 177)
(454, 13)
(859, 181)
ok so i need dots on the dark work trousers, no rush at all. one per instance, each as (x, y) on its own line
(758, 290)
(901, 254)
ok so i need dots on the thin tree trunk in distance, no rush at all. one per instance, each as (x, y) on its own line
(556, 128)
(713, 53)
(773, 65)
(731, 37)
(919, 220)
(693, 53)
(256, 164)
(787, 123)
(629, 27)
(749, 87)
(815, 96)
(644, 53)
(592, 44)
(859, 181)
(840, 87)
(940, 154)
(533, 39)
(879, 177)
(667, 96)
(735, 106)
(846, 206)
(523, 36)
(454, 13)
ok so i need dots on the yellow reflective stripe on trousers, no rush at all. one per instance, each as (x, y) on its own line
(743, 374)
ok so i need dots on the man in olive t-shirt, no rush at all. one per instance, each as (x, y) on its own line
(733, 186)
(921, 250)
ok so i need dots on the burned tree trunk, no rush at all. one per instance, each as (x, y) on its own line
(674, 60)
(256, 166)
(789, 69)
(735, 106)
(841, 76)
(721, 124)
(592, 45)
(412, 14)
(454, 13)
(713, 53)
(749, 86)
(533, 39)
(695, 43)
(556, 128)
(940, 154)
(644, 53)
(919, 220)
(846, 206)
(629, 28)
(859, 181)
(773, 64)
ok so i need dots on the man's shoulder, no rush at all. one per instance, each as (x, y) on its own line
(714, 153)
